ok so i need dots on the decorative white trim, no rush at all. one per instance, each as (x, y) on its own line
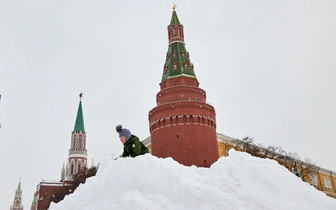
(176, 41)
(77, 156)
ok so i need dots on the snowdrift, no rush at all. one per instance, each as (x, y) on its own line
(238, 181)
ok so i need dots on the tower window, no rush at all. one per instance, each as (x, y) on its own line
(174, 65)
(80, 141)
(72, 172)
(74, 142)
(174, 53)
(185, 65)
(183, 54)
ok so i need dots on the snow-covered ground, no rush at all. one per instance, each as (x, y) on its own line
(236, 182)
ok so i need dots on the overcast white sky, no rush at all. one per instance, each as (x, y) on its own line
(268, 68)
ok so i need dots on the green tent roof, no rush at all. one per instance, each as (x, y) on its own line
(79, 125)
(177, 58)
(177, 62)
(174, 19)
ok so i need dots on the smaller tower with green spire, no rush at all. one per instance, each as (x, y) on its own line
(17, 203)
(77, 158)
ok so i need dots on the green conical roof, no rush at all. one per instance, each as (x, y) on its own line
(174, 19)
(177, 62)
(79, 125)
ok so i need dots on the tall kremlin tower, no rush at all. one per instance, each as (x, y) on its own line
(182, 125)
(77, 158)
(17, 203)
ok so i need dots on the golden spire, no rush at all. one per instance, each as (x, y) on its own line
(174, 7)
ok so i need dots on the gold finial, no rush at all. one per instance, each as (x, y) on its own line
(80, 96)
(174, 7)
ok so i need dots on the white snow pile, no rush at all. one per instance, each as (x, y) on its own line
(236, 182)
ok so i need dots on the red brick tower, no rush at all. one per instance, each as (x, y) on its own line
(182, 125)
